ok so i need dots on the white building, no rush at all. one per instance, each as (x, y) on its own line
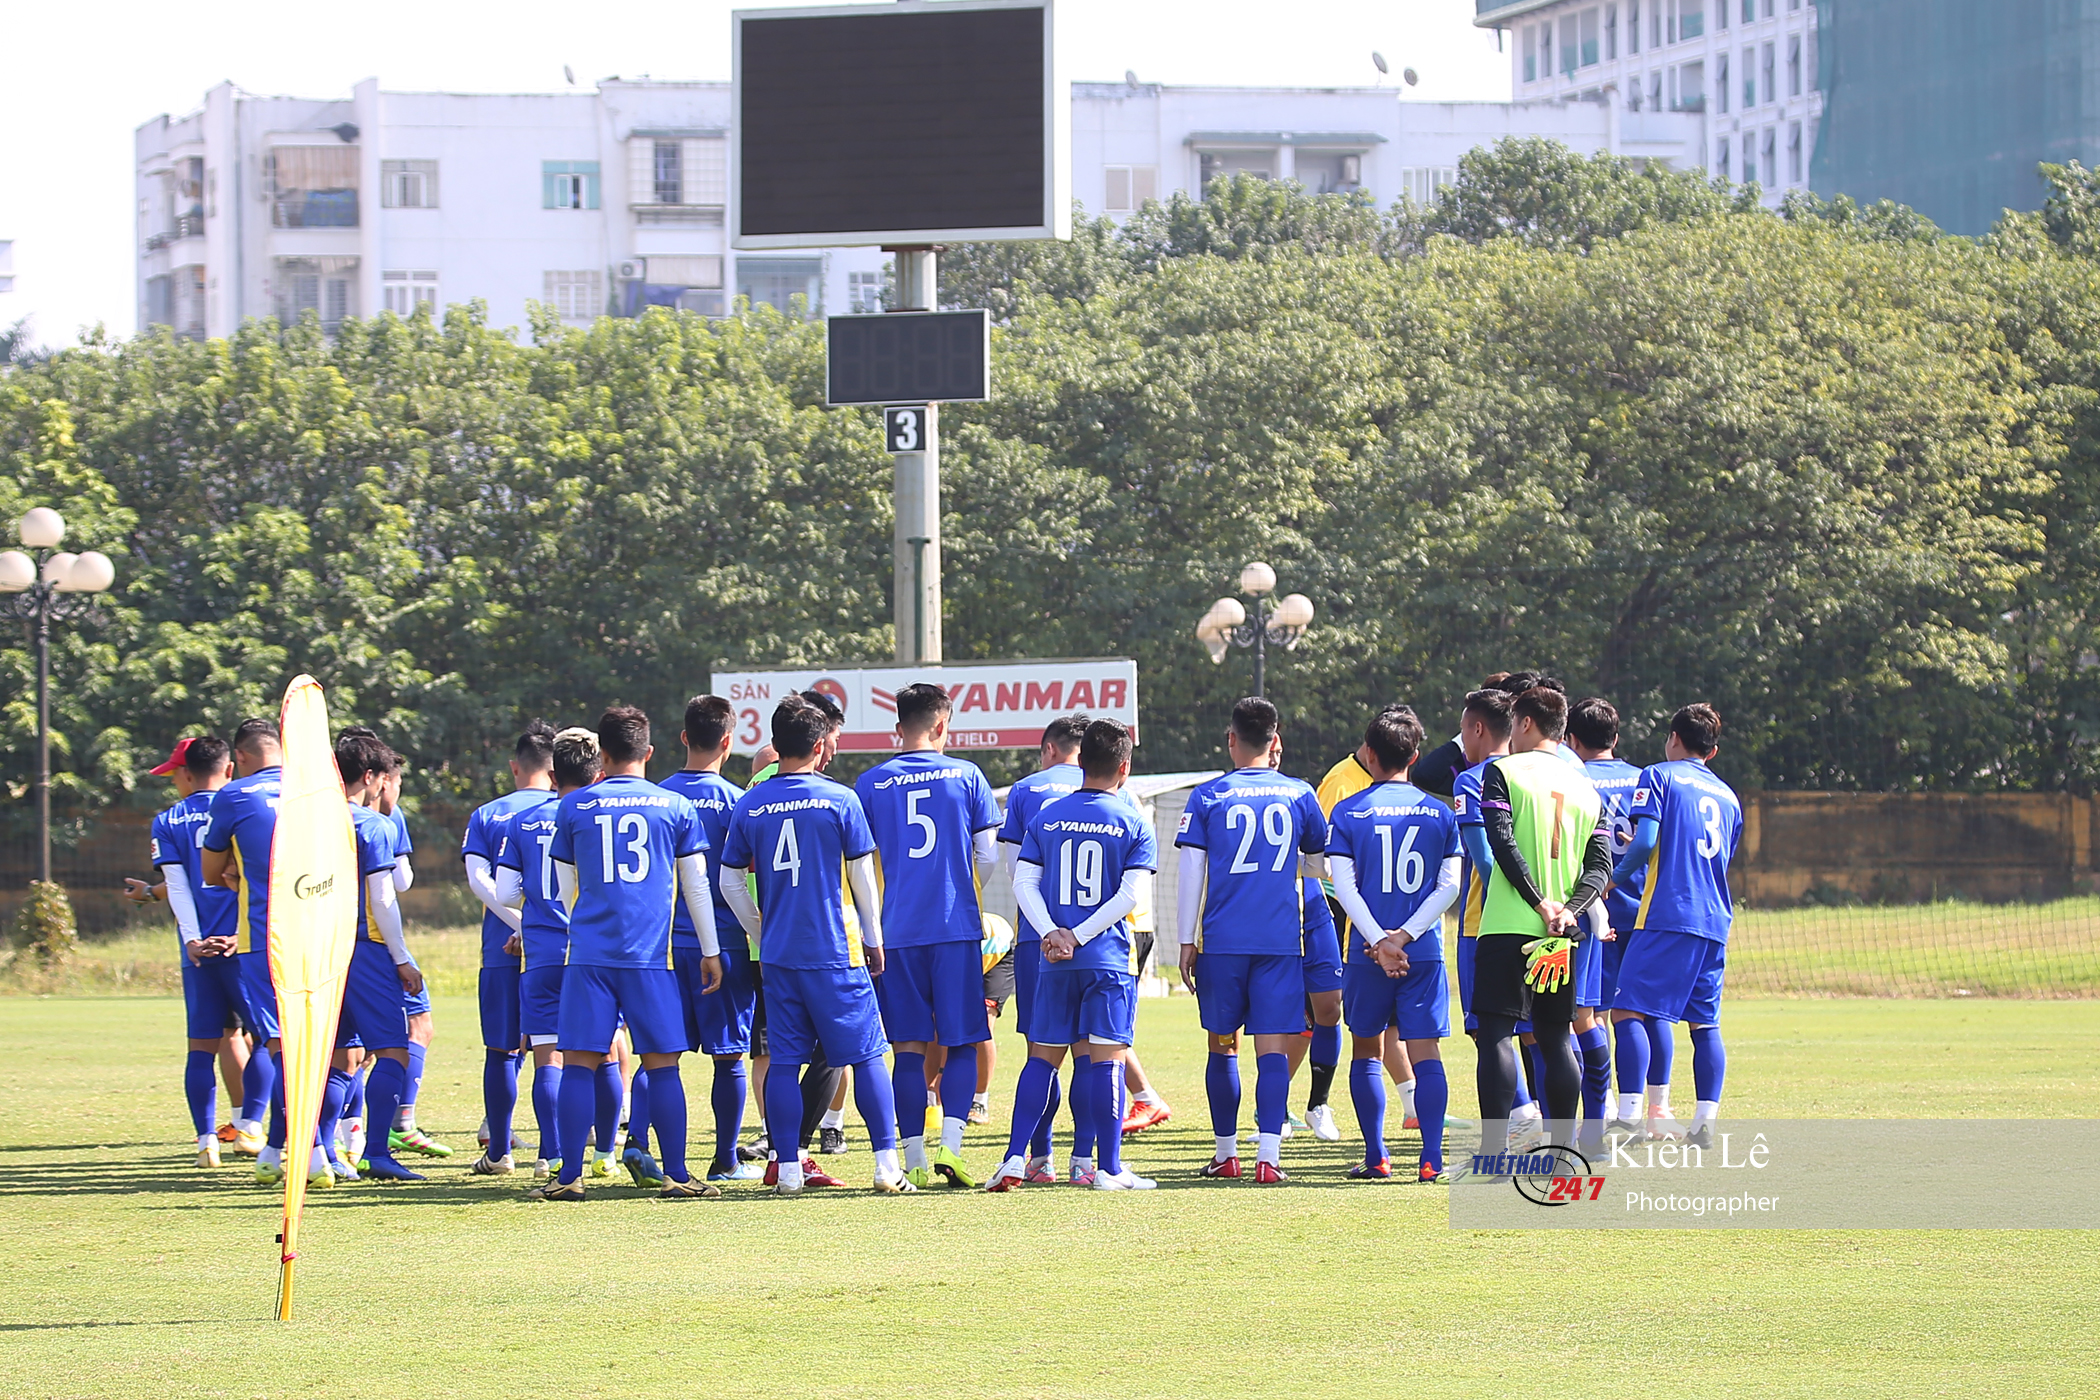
(607, 201)
(1745, 68)
(7, 264)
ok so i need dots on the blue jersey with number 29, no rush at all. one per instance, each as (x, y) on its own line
(624, 835)
(1252, 824)
(1698, 823)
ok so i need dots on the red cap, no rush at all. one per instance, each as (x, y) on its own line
(176, 756)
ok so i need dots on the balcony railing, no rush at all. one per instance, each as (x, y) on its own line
(186, 226)
(314, 209)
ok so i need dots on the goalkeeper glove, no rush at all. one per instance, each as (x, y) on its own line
(1546, 963)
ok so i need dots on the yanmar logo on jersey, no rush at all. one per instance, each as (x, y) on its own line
(1079, 828)
(931, 775)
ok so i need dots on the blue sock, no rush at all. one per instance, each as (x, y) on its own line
(909, 1085)
(1221, 1081)
(1036, 1088)
(1039, 1140)
(1432, 1101)
(1632, 1056)
(354, 1104)
(1662, 1049)
(416, 1055)
(578, 1107)
(333, 1095)
(1107, 1100)
(277, 1127)
(783, 1106)
(256, 1082)
(200, 1085)
(959, 1082)
(546, 1109)
(1083, 1106)
(1595, 1048)
(731, 1087)
(638, 1112)
(877, 1102)
(1326, 1045)
(1709, 1063)
(1367, 1092)
(667, 1107)
(499, 1097)
(606, 1105)
(384, 1088)
(1272, 1091)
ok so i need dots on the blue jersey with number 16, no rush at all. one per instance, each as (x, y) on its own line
(1252, 824)
(1615, 779)
(625, 836)
(1698, 822)
(1398, 838)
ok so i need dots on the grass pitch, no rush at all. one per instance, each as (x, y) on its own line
(130, 1273)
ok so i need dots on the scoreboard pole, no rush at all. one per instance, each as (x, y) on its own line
(917, 539)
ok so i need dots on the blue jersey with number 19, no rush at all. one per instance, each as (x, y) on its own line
(1252, 824)
(795, 832)
(1398, 839)
(1084, 842)
(924, 809)
(625, 836)
(1698, 821)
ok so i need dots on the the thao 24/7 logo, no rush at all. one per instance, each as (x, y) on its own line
(1551, 1175)
(307, 887)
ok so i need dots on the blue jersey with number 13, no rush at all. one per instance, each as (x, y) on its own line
(624, 835)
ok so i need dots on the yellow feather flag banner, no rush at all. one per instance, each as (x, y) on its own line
(313, 923)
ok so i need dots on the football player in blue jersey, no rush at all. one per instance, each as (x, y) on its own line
(1686, 825)
(934, 822)
(1243, 838)
(1593, 731)
(1081, 871)
(204, 920)
(235, 852)
(488, 826)
(625, 851)
(806, 840)
(1393, 854)
(719, 1022)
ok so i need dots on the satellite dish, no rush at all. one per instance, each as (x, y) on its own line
(1130, 76)
(1407, 75)
(1378, 59)
(568, 73)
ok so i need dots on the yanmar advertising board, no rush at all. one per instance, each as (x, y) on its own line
(998, 705)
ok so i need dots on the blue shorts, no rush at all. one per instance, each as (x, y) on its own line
(594, 1000)
(1417, 1005)
(1322, 962)
(539, 1000)
(1259, 993)
(831, 1006)
(499, 1008)
(259, 994)
(212, 1000)
(1028, 975)
(935, 992)
(1609, 956)
(419, 1004)
(1086, 1005)
(375, 1007)
(1588, 969)
(1672, 977)
(717, 1022)
(1467, 948)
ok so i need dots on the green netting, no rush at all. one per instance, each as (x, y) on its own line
(1948, 105)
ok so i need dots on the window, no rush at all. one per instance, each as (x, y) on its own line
(1570, 50)
(1749, 80)
(1691, 87)
(1673, 90)
(1546, 49)
(1633, 28)
(1588, 30)
(312, 186)
(1721, 157)
(1222, 165)
(405, 291)
(1324, 172)
(1720, 14)
(777, 282)
(1793, 154)
(668, 164)
(1768, 9)
(1531, 53)
(1749, 157)
(1655, 91)
(863, 293)
(1420, 183)
(1611, 32)
(1691, 23)
(1749, 14)
(1655, 24)
(1131, 187)
(1771, 90)
(1793, 66)
(325, 286)
(672, 171)
(1770, 164)
(408, 184)
(569, 184)
(575, 296)
(1721, 81)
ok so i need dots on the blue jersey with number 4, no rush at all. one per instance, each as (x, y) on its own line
(1615, 779)
(1398, 838)
(625, 836)
(1084, 842)
(924, 809)
(1252, 824)
(795, 832)
(1699, 821)
(528, 848)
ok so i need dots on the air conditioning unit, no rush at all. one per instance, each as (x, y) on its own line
(634, 270)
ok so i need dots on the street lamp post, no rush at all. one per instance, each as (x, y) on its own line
(49, 585)
(1281, 621)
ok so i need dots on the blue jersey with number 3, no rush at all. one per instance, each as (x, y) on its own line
(795, 832)
(1698, 823)
(1252, 824)
(1084, 842)
(924, 809)
(1398, 838)
(624, 835)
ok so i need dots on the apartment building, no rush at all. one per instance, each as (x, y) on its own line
(1746, 69)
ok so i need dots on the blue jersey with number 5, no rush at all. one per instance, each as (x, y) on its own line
(795, 832)
(1084, 842)
(1698, 823)
(528, 848)
(1398, 838)
(925, 808)
(1252, 824)
(624, 835)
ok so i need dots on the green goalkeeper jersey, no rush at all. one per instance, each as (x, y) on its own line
(1553, 808)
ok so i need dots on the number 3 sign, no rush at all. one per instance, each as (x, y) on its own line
(904, 429)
